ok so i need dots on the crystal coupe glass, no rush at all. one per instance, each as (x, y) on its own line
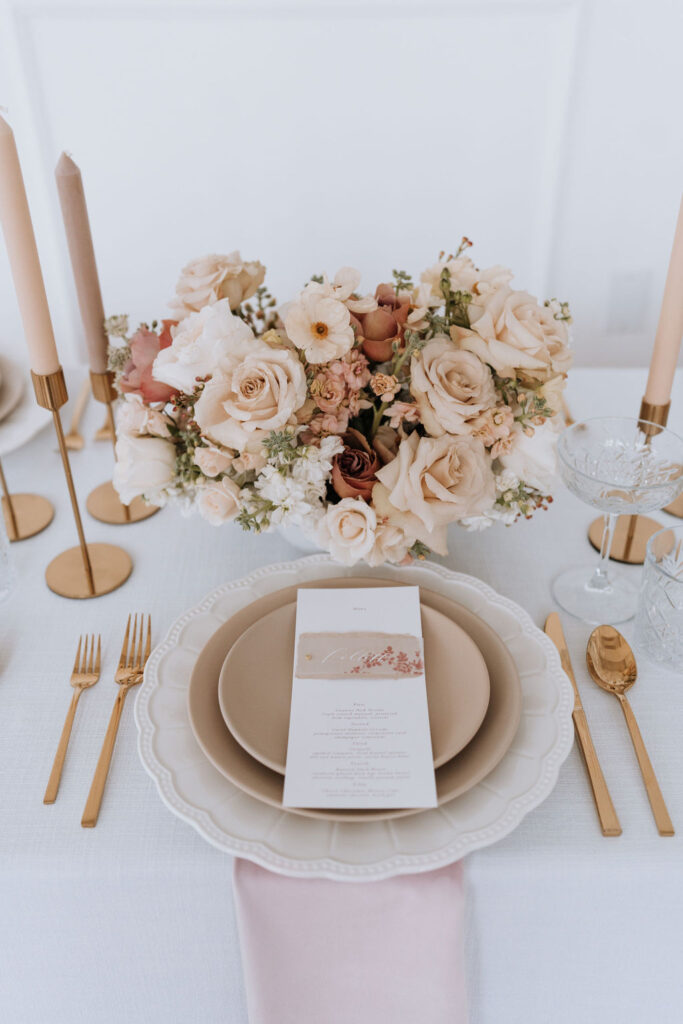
(620, 466)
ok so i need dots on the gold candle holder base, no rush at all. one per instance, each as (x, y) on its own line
(25, 515)
(88, 570)
(676, 507)
(66, 575)
(632, 533)
(104, 503)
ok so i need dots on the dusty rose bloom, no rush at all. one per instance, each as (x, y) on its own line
(399, 412)
(353, 368)
(385, 384)
(353, 470)
(328, 390)
(137, 379)
(494, 429)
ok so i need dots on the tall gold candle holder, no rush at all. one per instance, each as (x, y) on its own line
(104, 503)
(632, 533)
(25, 514)
(88, 570)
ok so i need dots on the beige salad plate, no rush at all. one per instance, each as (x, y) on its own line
(255, 686)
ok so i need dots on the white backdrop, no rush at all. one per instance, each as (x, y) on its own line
(314, 134)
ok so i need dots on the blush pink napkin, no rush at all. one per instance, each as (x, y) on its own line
(322, 952)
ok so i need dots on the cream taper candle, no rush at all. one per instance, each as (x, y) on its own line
(670, 328)
(23, 257)
(82, 254)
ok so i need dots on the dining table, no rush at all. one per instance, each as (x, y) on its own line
(134, 920)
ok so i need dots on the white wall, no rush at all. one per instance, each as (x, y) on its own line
(316, 134)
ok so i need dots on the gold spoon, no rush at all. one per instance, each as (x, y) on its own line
(612, 665)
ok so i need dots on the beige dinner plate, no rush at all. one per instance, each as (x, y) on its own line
(466, 769)
(255, 685)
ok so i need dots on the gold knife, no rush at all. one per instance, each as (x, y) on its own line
(609, 821)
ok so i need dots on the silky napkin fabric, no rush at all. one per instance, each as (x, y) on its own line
(321, 952)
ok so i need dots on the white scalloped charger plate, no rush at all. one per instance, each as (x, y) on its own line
(293, 845)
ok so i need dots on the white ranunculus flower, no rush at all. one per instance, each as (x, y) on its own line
(533, 460)
(449, 386)
(248, 399)
(319, 325)
(218, 501)
(144, 465)
(209, 279)
(202, 343)
(347, 530)
(212, 461)
(134, 417)
(512, 332)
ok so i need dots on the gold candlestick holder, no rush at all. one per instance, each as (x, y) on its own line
(104, 503)
(632, 533)
(25, 514)
(88, 570)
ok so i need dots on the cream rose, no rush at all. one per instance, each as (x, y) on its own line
(219, 501)
(347, 530)
(144, 465)
(209, 279)
(202, 343)
(533, 459)
(512, 332)
(465, 277)
(319, 325)
(134, 417)
(450, 387)
(212, 461)
(247, 400)
(392, 544)
(436, 480)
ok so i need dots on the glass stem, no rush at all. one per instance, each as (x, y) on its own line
(600, 578)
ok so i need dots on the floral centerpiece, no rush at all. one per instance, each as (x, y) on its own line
(371, 421)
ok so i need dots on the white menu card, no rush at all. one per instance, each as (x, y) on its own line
(359, 740)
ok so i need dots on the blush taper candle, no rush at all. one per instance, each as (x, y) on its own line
(17, 228)
(670, 327)
(82, 255)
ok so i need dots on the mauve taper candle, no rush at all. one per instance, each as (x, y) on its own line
(670, 328)
(17, 228)
(82, 254)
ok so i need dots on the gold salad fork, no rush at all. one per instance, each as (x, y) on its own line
(85, 673)
(128, 674)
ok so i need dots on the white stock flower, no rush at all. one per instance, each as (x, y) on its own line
(319, 325)
(347, 530)
(209, 279)
(202, 343)
(144, 465)
(533, 459)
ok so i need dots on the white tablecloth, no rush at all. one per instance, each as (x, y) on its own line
(133, 920)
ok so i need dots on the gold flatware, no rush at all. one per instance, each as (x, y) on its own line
(73, 439)
(86, 672)
(609, 822)
(106, 431)
(612, 665)
(128, 674)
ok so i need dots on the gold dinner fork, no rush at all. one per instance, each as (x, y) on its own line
(85, 673)
(128, 674)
